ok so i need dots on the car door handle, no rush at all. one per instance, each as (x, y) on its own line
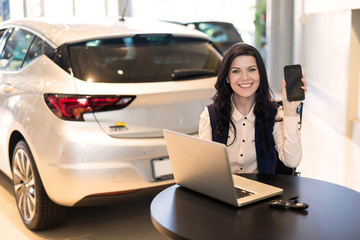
(8, 87)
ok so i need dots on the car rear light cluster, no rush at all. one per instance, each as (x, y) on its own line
(73, 107)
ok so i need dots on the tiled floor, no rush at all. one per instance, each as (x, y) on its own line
(130, 220)
(326, 156)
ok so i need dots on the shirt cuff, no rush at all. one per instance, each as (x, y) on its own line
(291, 124)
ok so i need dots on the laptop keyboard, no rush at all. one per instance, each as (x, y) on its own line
(240, 193)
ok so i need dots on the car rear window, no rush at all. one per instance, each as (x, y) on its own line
(142, 58)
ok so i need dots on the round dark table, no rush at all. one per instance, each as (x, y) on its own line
(333, 213)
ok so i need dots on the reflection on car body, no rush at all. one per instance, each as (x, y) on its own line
(83, 105)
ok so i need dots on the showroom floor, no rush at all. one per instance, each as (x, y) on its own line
(326, 156)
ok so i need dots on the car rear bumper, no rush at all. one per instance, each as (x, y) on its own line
(116, 198)
(69, 184)
(81, 163)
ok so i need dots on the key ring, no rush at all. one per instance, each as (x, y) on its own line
(292, 203)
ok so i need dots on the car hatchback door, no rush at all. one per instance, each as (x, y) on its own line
(161, 81)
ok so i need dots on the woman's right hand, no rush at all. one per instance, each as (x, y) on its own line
(290, 107)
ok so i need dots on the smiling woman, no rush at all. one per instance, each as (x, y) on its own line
(244, 79)
(245, 118)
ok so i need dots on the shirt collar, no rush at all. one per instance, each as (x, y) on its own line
(237, 116)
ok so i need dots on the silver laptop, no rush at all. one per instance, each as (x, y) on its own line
(203, 166)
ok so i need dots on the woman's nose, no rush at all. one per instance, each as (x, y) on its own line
(244, 76)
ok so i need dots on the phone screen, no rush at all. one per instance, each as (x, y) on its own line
(293, 75)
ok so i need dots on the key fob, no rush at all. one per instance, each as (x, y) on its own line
(280, 203)
(298, 206)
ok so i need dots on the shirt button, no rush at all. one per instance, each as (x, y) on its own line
(241, 155)
(241, 168)
(245, 117)
(243, 140)
(243, 124)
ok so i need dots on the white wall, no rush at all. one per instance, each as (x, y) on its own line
(325, 56)
(317, 6)
(240, 13)
(326, 37)
(67, 8)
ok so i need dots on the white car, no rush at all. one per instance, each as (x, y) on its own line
(83, 104)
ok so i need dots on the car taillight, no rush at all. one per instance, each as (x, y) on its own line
(72, 107)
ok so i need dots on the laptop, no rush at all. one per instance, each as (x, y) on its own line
(203, 166)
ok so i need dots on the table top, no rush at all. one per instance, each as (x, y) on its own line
(333, 213)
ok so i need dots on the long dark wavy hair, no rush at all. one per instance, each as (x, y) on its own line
(222, 98)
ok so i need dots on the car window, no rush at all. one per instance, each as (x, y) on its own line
(15, 49)
(5, 33)
(215, 32)
(3, 37)
(218, 31)
(2, 31)
(37, 48)
(142, 58)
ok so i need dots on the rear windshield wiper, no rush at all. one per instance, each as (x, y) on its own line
(192, 73)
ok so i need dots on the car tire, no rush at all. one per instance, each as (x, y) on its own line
(35, 207)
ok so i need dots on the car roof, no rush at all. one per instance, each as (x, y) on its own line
(211, 22)
(58, 31)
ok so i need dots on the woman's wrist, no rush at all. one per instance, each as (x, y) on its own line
(290, 108)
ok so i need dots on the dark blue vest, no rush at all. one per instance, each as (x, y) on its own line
(267, 163)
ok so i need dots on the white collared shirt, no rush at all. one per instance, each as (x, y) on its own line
(242, 152)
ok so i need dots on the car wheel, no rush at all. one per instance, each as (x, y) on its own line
(36, 209)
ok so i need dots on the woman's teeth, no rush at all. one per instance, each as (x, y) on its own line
(245, 85)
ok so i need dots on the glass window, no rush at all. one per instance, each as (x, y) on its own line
(3, 37)
(220, 31)
(142, 58)
(215, 32)
(222, 34)
(16, 49)
(5, 33)
(49, 51)
(37, 48)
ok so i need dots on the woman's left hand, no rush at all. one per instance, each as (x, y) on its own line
(290, 107)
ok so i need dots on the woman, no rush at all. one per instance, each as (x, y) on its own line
(256, 130)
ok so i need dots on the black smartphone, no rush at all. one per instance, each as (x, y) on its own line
(293, 75)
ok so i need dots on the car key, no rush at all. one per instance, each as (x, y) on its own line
(280, 203)
(292, 204)
(298, 206)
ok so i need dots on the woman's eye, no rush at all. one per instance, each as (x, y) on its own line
(235, 71)
(252, 69)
